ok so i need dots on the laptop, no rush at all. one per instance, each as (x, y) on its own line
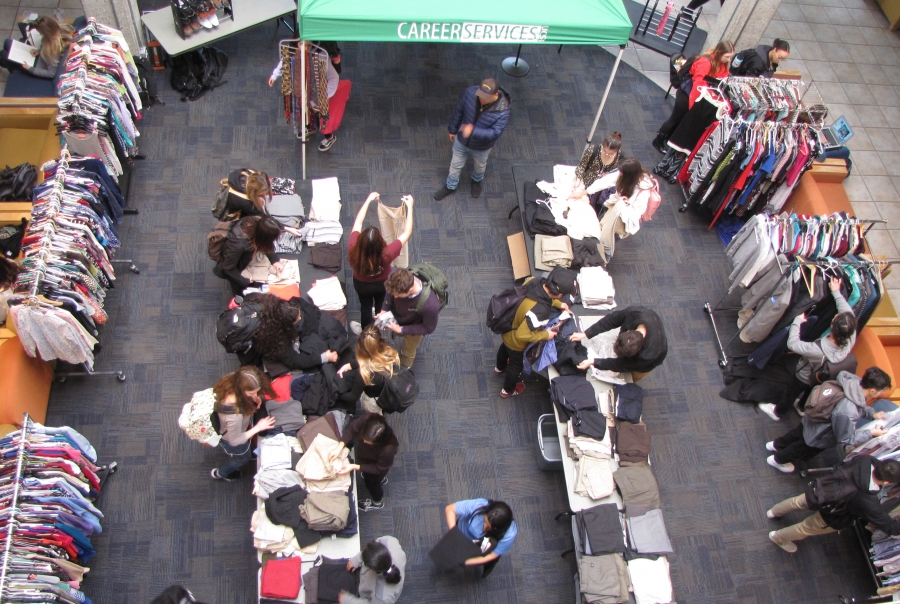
(837, 134)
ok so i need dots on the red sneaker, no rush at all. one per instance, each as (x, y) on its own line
(520, 388)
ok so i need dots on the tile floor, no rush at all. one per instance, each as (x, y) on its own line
(844, 47)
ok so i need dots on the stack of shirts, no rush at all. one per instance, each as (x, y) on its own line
(272, 538)
(328, 294)
(596, 288)
(273, 473)
(552, 251)
(286, 209)
(324, 224)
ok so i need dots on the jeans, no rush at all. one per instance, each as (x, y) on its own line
(238, 457)
(511, 361)
(813, 525)
(881, 404)
(791, 447)
(839, 153)
(373, 485)
(460, 154)
(371, 294)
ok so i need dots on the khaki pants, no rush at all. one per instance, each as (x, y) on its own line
(392, 222)
(408, 350)
(637, 376)
(813, 525)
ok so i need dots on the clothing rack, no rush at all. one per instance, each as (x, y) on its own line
(14, 506)
(710, 310)
(754, 95)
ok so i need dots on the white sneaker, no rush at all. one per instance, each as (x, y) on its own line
(798, 409)
(768, 409)
(771, 515)
(356, 327)
(214, 19)
(770, 446)
(787, 468)
(788, 546)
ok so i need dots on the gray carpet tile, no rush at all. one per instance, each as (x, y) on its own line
(167, 522)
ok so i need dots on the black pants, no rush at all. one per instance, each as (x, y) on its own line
(791, 447)
(370, 294)
(512, 361)
(790, 393)
(678, 112)
(373, 485)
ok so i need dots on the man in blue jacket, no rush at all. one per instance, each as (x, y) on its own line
(482, 113)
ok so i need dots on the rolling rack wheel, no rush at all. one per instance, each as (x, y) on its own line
(120, 375)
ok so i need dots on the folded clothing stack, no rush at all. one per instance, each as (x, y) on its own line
(596, 288)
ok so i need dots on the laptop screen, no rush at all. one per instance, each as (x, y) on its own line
(842, 130)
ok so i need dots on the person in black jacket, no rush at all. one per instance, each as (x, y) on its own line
(640, 346)
(294, 334)
(481, 115)
(761, 61)
(853, 497)
(376, 445)
(249, 237)
(248, 192)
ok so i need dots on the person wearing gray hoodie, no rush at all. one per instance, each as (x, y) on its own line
(833, 348)
(810, 438)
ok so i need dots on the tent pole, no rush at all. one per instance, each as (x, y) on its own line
(605, 94)
(303, 100)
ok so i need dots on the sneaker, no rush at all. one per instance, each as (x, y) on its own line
(204, 21)
(475, 189)
(327, 142)
(367, 504)
(214, 473)
(770, 446)
(771, 515)
(356, 327)
(768, 409)
(213, 18)
(800, 411)
(659, 143)
(384, 480)
(519, 389)
(499, 371)
(787, 468)
(788, 546)
(442, 193)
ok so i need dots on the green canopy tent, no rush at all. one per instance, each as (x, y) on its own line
(601, 22)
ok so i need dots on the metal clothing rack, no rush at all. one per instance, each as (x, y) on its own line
(675, 32)
(710, 310)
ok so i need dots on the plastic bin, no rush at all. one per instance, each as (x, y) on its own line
(549, 452)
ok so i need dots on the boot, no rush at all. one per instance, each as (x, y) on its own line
(659, 143)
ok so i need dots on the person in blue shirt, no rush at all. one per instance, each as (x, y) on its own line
(480, 518)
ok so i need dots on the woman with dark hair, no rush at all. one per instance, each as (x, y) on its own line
(713, 63)
(370, 258)
(248, 192)
(9, 270)
(250, 241)
(376, 445)
(55, 40)
(627, 205)
(600, 174)
(480, 518)
(381, 565)
(761, 61)
(294, 334)
(175, 594)
(237, 397)
(833, 348)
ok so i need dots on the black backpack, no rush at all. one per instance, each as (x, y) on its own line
(197, 72)
(11, 237)
(829, 371)
(832, 493)
(678, 75)
(400, 391)
(501, 311)
(148, 91)
(235, 326)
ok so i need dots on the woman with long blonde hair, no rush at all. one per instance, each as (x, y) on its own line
(377, 360)
(55, 40)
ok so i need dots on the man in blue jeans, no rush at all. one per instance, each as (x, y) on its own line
(482, 113)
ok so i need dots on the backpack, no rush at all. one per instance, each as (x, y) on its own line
(832, 493)
(828, 370)
(678, 76)
(196, 418)
(148, 90)
(822, 400)
(11, 236)
(400, 391)
(215, 241)
(197, 72)
(433, 280)
(220, 208)
(502, 308)
(653, 203)
(235, 326)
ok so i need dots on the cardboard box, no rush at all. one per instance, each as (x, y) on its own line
(519, 255)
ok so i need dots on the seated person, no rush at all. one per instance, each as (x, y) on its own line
(55, 40)
(640, 346)
(295, 334)
(248, 193)
(381, 565)
(810, 437)
(600, 176)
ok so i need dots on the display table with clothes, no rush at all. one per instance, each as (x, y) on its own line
(306, 508)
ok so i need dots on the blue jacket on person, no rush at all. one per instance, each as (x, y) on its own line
(489, 125)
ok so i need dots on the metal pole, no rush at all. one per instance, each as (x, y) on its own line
(303, 99)
(11, 523)
(605, 94)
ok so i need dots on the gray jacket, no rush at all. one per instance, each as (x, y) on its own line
(842, 428)
(812, 352)
(373, 589)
